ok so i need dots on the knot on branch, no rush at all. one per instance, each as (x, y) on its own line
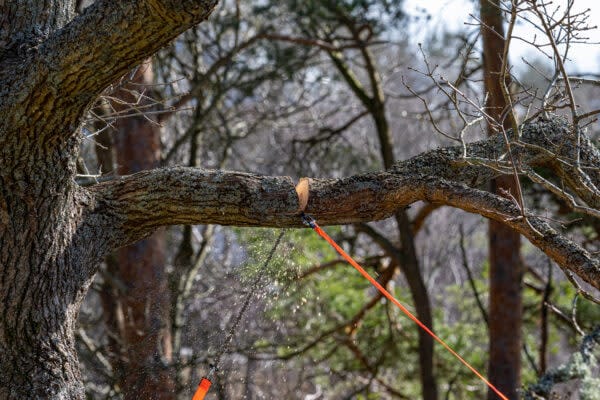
(21, 44)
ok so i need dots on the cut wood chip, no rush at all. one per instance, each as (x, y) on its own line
(302, 189)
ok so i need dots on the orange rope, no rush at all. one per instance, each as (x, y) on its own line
(391, 298)
(202, 389)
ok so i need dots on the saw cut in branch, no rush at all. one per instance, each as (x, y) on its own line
(145, 201)
(302, 188)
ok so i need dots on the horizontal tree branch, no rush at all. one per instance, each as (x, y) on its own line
(142, 202)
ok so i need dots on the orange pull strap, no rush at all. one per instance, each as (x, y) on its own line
(309, 221)
(202, 389)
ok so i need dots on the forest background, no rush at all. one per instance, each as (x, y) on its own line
(329, 89)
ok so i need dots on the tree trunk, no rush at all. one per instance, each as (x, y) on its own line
(42, 248)
(144, 329)
(410, 260)
(44, 265)
(26, 23)
(53, 65)
(375, 103)
(410, 266)
(505, 307)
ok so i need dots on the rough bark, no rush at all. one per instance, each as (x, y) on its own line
(505, 297)
(46, 267)
(46, 87)
(27, 23)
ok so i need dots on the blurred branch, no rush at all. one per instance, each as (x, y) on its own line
(424, 212)
(465, 264)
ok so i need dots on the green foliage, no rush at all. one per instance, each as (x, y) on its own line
(588, 313)
(582, 365)
(466, 333)
(317, 308)
(321, 306)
